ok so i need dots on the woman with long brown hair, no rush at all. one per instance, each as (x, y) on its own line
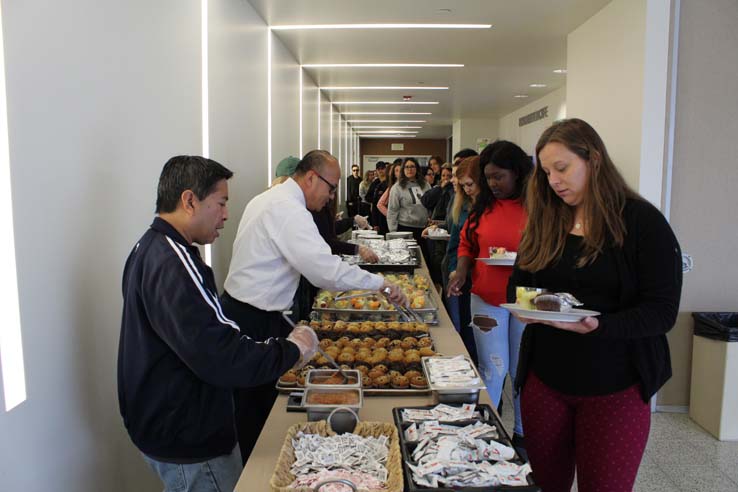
(586, 385)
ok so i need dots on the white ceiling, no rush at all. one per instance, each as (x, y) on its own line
(526, 43)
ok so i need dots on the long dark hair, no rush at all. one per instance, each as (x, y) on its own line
(550, 219)
(505, 155)
(419, 178)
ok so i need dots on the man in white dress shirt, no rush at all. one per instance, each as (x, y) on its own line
(277, 241)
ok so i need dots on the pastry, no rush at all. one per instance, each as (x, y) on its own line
(289, 378)
(400, 382)
(418, 382)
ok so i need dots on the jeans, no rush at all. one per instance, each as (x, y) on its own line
(215, 475)
(497, 351)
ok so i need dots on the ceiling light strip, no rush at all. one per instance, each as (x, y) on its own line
(348, 103)
(383, 65)
(305, 27)
(383, 88)
(383, 113)
(387, 121)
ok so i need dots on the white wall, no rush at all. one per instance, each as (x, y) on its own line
(325, 123)
(309, 114)
(466, 131)
(100, 95)
(605, 80)
(527, 136)
(238, 110)
(285, 104)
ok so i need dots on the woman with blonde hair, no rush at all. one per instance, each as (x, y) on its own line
(591, 235)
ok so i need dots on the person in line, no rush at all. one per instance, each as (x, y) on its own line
(405, 211)
(463, 154)
(497, 219)
(435, 164)
(376, 189)
(179, 356)
(437, 201)
(352, 191)
(586, 385)
(277, 241)
(395, 170)
(430, 176)
(459, 306)
(365, 209)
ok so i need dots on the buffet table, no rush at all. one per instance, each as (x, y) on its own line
(259, 469)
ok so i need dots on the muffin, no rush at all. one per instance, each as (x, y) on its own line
(288, 379)
(382, 368)
(395, 344)
(348, 349)
(314, 324)
(413, 373)
(409, 343)
(418, 382)
(368, 342)
(325, 343)
(425, 342)
(301, 380)
(427, 352)
(382, 382)
(353, 329)
(400, 382)
(342, 342)
(364, 370)
(346, 358)
(366, 382)
(382, 342)
(394, 374)
(374, 374)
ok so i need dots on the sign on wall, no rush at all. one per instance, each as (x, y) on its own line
(482, 143)
(533, 117)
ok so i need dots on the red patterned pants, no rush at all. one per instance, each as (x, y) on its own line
(602, 437)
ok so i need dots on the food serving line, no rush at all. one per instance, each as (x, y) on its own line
(265, 461)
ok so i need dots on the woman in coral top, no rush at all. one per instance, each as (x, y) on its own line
(497, 219)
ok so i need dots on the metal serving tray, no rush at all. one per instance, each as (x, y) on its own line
(449, 393)
(487, 416)
(429, 313)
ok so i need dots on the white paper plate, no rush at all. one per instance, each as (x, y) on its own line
(508, 261)
(439, 237)
(570, 316)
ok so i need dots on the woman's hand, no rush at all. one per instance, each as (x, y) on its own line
(425, 231)
(586, 325)
(455, 283)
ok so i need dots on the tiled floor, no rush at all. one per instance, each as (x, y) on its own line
(680, 456)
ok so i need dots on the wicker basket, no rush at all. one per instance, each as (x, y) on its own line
(282, 477)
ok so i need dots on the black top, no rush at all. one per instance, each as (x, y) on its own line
(557, 354)
(326, 223)
(352, 188)
(636, 287)
(179, 357)
(437, 200)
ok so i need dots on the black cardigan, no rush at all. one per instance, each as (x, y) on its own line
(326, 223)
(650, 274)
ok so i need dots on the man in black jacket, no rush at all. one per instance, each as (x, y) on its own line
(179, 356)
(352, 191)
(376, 190)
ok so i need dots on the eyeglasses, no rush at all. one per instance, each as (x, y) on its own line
(411, 166)
(331, 187)
(430, 173)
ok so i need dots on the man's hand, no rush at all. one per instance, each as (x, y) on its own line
(307, 341)
(395, 293)
(367, 255)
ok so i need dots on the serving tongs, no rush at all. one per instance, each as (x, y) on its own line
(407, 313)
(330, 359)
(342, 296)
